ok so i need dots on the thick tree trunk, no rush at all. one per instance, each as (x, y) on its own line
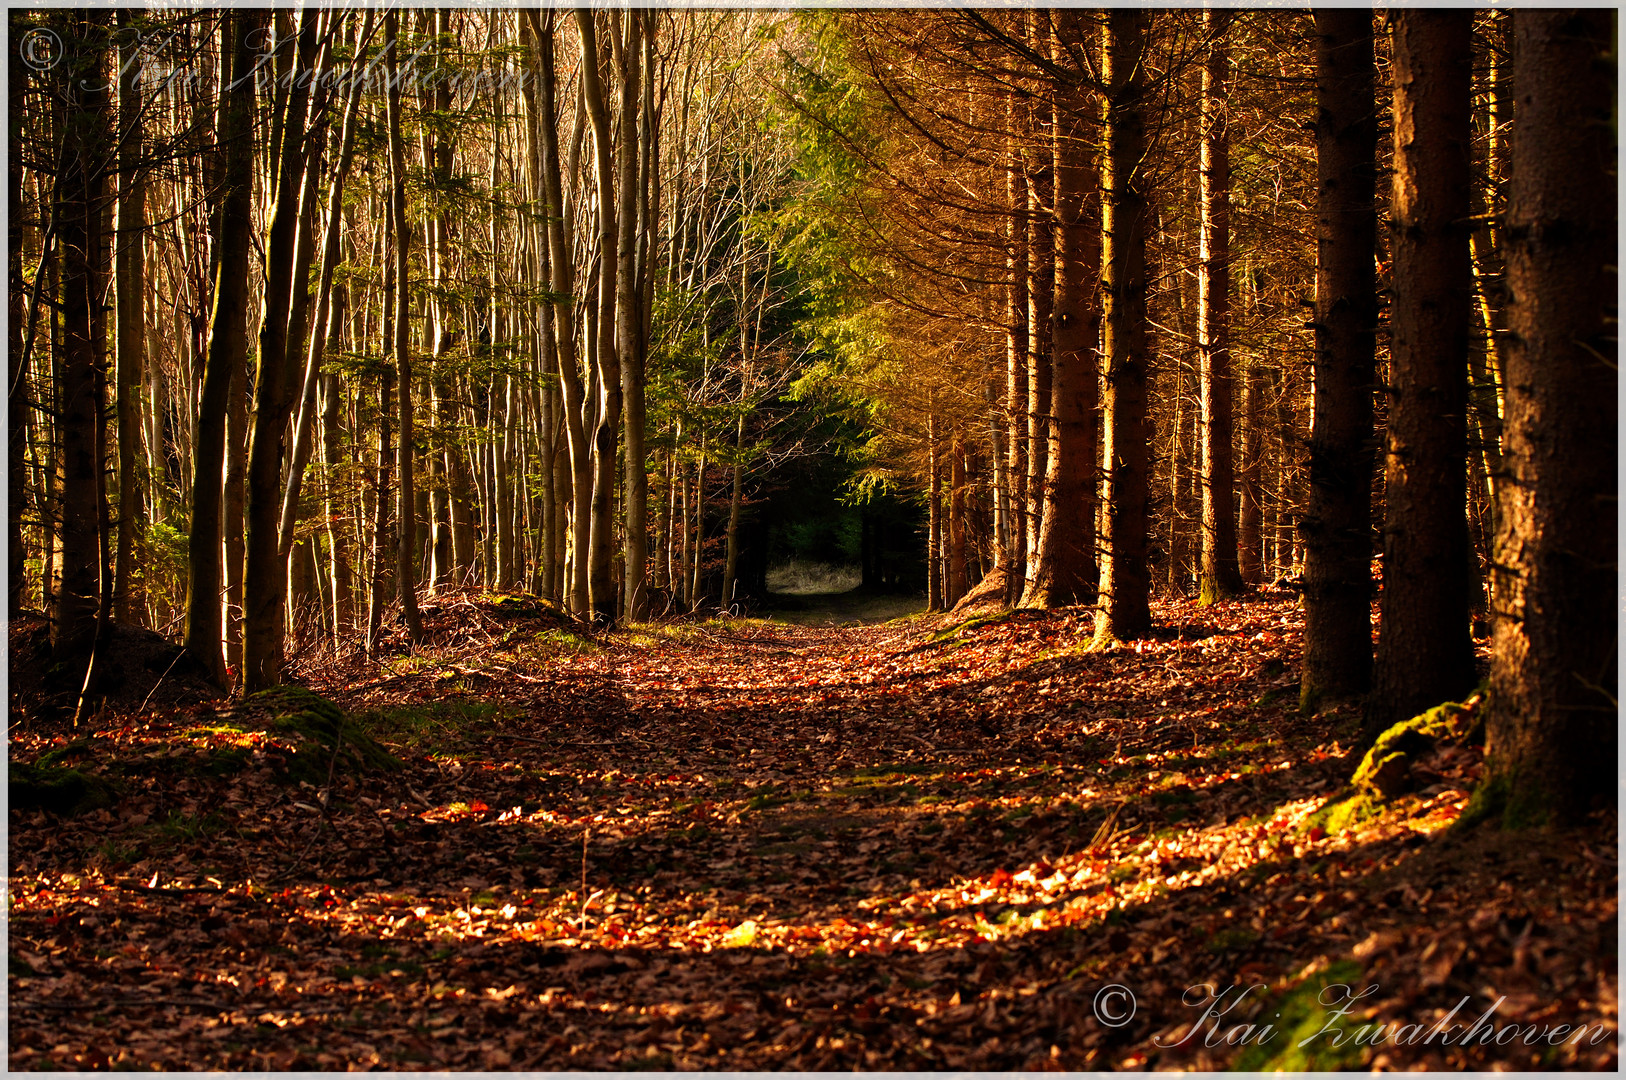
(1425, 652)
(1219, 577)
(1062, 566)
(228, 347)
(1337, 526)
(1124, 610)
(1552, 739)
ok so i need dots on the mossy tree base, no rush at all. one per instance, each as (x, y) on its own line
(1385, 771)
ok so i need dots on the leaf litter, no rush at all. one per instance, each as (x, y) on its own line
(752, 845)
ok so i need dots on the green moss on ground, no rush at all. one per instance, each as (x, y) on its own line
(1384, 773)
(59, 789)
(316, 720)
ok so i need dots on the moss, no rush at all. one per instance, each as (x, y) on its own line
(1385, 770)
(60, 790)
(298, 711)
(1299, 1016)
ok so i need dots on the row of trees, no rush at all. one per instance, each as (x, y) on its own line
(396, 300)
(1125, 251)
(533, 292)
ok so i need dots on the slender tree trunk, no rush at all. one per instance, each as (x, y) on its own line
(934, 519)
(1250, 517)
(1552, 738)
(228, 347)
(1062, 566)
(131, 282)
(1337, 527)
(1012, 554)
(1041, 304)
(265, 573)
(406, 576)
(378, 591)
(735, 501)
(17, 396)
(1220, 578)
(1425, 651)
(630, 316)
(1124, 610)
(81, 184)
(957, 582)
(601, 547)
(329, 315)
(562, 269)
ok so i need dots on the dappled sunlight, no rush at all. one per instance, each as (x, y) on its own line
(741, 845)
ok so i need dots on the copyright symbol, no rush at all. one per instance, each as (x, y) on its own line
(1114, 1005)
(40, 49)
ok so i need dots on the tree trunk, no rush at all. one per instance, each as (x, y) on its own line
(1041, 305)
(406, 574)
(629, 312)
(1219, 577)
(1062, 566)
(228, 346)
(1552, 739)
(1012, 556)
(131, 281)
(1250, 518)
(17, 396)
(735, 502)
(265, 573)
(1124, 610)
(934, 519)
(957, 582)
(601, 544)
(1425, 651)
(81, 187)
(1337, 526)
(561, 265)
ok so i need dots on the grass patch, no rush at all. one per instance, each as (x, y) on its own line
(428, 724)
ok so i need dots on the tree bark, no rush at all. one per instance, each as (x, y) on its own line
(1425, 651)
(1124, 610)
(1552, 738)
(1337, 526)
(131, 282)
(81, 188)
(228, 345)
(265, 574)
(629, 310)
(1219, 577)
(1062, 566)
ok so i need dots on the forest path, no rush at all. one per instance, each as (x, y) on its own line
(749, 844)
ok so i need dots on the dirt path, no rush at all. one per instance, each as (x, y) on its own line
(760, 845)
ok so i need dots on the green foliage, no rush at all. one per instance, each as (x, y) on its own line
(1303, 1015)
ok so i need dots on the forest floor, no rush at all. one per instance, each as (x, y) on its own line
(759, 845)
